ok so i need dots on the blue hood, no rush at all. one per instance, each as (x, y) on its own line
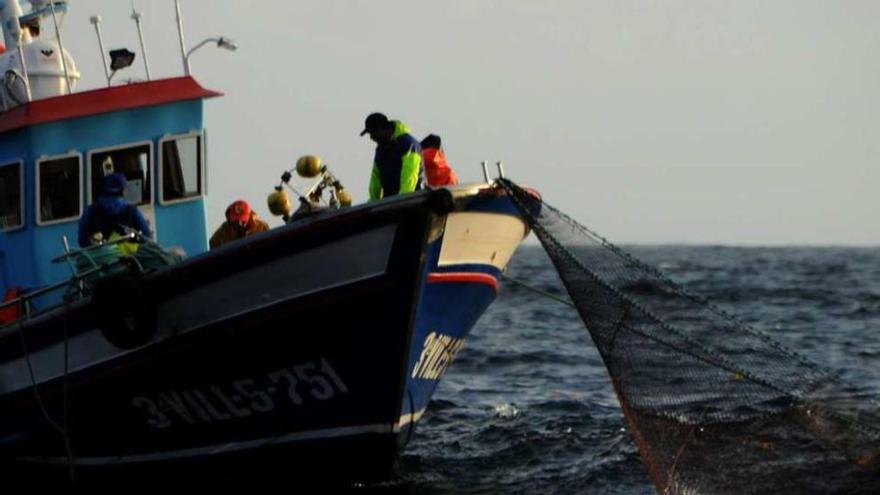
(112, 204)
(107, 215)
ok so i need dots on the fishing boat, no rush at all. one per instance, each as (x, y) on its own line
(311, 349)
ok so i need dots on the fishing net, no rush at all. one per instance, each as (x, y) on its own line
(714, 406)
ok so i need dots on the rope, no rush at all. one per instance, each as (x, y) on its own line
(62, 430)
(538, 291)
(66, 402)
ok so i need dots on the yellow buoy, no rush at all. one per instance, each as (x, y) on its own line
(308, 166)
(344, 197)
(279, 203)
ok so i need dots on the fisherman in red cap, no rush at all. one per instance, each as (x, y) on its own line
(241, 221)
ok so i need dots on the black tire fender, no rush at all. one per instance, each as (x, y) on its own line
(124, 310)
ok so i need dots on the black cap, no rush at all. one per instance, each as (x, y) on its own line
(431, 141)
(375, 122)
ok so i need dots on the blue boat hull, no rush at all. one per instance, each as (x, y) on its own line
(459, 284)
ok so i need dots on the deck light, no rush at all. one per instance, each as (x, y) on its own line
(227, 44)
(222, 42)
(120, 59)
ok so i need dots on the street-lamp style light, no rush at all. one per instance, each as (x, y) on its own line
(225, 43)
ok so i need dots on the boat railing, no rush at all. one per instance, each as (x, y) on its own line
(89, 253)
(94, 261)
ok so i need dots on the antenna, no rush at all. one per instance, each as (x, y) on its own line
(180, 34)
(136, 17)
(61, 48)
(96, 21)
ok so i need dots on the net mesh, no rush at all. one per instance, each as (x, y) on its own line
(714, 405)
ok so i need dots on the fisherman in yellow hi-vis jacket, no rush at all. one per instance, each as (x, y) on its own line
(397, 166)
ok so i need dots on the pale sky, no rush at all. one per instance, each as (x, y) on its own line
(694, 121)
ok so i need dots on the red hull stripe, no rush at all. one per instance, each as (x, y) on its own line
(104, 100)
(466, 277)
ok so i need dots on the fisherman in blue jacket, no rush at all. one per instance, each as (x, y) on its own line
(397, 166)
(110, 213)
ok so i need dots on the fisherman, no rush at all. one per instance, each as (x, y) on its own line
(11, 312)
(437, 170)
(111, 213)
(398, 160)
(241, 221)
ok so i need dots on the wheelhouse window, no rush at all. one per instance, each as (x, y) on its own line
(59, 189)
(132, 161)
(11, 196)
(181, 167)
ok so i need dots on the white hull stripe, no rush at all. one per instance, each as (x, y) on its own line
(407, 419)
(327, 433)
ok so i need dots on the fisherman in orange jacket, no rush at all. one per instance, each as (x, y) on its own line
(437, 169)
(241, 221)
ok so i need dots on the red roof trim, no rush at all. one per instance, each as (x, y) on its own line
(465, 277)
(104, 100)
